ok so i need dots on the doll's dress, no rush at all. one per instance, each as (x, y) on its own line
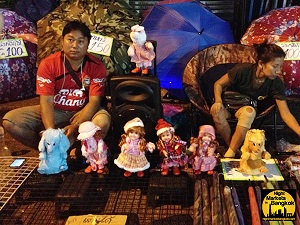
(95, 153)
(201, 160)
(175, 158)
(143, 57)
(132, 160)
(209, 163)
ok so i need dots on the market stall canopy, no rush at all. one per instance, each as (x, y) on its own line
(109, 18)
(277, 26)
(181, 30)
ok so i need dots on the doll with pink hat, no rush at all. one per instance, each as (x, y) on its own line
(133, 147)
(170, 148)
(203, 148)
(93, 147)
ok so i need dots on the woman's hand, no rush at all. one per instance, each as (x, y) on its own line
(216, 108)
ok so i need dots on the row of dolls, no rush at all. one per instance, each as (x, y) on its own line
(132, 158)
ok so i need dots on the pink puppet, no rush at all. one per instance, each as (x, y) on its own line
(203, 149)
(93, 147)
(140, 50)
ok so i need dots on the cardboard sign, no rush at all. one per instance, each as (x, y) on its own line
(97, 219)
(100, 44)
(292, 50)
(12, 48)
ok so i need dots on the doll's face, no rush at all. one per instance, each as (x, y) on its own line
(133, 135)
(207, 137)
(166, 136)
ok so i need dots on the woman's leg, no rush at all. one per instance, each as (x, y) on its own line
(245, 116)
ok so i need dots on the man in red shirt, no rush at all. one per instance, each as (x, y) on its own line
(71, 84)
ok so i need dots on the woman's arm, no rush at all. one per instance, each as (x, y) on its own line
(219, 87)
(287, 116)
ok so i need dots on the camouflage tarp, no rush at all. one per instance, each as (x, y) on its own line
(112, 18)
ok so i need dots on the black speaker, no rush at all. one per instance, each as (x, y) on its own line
(135, 96)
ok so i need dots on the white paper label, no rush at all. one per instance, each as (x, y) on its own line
(292, 50)
(100, 44)
(12, 48)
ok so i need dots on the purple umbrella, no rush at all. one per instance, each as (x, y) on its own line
(17, 75)
(181, 30)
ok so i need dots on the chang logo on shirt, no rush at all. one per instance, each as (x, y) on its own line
(70, 99)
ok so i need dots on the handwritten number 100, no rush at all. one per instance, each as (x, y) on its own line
(13, 51)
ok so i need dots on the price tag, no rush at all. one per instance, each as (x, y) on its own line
(100, 44)
(12, 48)
(97, 219)
(292, 50)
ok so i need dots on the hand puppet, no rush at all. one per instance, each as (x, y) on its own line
(93, 147)
(203, 148)
(253, 153)
(53, 148)
(140, 50)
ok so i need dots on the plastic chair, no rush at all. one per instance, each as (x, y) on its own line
(206, 67)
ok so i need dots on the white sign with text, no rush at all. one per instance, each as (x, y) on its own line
(292, 50)
(97, 219)
(12, 48)
(100, 44)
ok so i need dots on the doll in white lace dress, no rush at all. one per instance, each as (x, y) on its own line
(133, 147)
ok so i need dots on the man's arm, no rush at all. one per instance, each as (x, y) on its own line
(47, 111)
(85, 114)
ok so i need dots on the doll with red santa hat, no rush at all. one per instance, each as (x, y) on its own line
(170, 148)
(93, 147)
(133, 147)
(203, 148)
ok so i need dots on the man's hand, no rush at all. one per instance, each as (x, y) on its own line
(71, 132)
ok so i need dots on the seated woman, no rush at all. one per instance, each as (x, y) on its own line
(259, 81)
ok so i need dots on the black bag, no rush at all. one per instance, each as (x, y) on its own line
(233, 101)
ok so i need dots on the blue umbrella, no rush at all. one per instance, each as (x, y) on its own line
(181, 30)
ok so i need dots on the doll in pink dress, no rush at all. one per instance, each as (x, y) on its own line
(170, 148)
(203, 148)
(93, 147)
(140, 50)
(133, 147)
